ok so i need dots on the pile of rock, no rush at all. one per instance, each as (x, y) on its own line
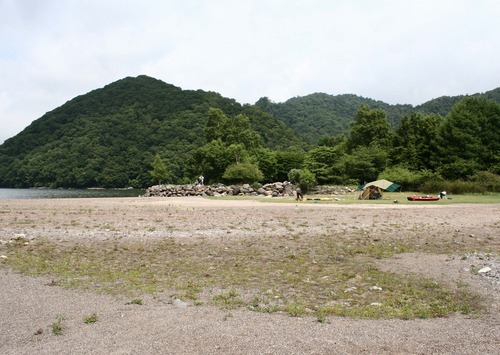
(275, 189)
(272, 190)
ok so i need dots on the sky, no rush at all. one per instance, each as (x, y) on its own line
(399, 52)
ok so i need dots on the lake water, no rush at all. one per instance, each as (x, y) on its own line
(15, 194)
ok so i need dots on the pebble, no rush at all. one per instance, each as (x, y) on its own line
(178, 303)
(484, 269)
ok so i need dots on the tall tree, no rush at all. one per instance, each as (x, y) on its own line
(216, 124)
(212, 160)
(415, 141)
(326, 163)
(267, 162)
(368, 128)
(365, 163)
(239, 131)
(160, 171)
(469, 138)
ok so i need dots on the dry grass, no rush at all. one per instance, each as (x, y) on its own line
(323, 274)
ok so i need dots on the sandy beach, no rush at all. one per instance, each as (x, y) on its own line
(29, 305)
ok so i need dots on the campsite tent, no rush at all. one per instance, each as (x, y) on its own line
(373, 190)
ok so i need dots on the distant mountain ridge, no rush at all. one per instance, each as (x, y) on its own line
(319, 114)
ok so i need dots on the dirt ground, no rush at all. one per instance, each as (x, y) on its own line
(28, 306)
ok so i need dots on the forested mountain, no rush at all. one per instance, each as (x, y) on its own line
(108, 137)
(116, 135)
(316, 115)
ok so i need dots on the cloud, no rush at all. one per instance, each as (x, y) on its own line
(394, 51)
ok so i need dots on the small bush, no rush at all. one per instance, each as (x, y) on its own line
(296, 308)
(57, 326)
(135, 301)
(294, 176)
(410, 180)
(229, 300)
(488, 181)
(303, 177)
(90, 319)
(243, 173)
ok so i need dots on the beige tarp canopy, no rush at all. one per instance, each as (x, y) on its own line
(373, 190)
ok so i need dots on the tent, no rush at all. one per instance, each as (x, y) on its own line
(373, 190)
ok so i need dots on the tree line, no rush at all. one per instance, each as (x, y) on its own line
(423, 147)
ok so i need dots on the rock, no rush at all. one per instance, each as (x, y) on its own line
(178, 303)
(375, 288)
(276, 189)
(484, 270)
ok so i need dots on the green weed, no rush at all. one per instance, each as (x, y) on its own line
(57, 326)
(90, 318)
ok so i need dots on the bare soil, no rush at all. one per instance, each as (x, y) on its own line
(29, 306)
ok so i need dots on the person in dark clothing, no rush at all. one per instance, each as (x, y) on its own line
(299, 196)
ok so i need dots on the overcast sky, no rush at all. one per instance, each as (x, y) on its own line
(396, 51)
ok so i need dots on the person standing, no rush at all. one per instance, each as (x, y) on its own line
(299, 196)
(200, 179)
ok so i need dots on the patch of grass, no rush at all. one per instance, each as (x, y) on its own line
(137, 301)
(57, 326)
(90, 318)
(318, 275)
(296, 308)
(227, 316)
(228, 300)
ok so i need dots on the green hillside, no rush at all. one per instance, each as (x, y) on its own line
(317, 115)
(109, 136)
(117, 135)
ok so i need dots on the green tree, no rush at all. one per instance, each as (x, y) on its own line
(238, 153)
(267, 162)
(307, 180)
(415, 141)
(370, 127)
(212, 159)
(469, 138)
(243, 173)
(239, 131)
(287, 160)
(325, 162)
(365, 163)
(303, 177)
(160, 171)
(216, 125)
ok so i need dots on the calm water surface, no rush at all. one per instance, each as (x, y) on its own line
(15, 194)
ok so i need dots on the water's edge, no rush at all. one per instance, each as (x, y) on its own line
(16, 194)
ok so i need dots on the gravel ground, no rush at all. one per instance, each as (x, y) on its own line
(29, 306)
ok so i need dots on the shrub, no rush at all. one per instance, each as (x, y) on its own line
(303, 177)
(294, 176)
(424, 180)
(243, 173)
(488, 181)
(402, 176)
(307, 180)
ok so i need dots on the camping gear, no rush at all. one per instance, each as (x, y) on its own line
(373, 190)
(423, 198)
